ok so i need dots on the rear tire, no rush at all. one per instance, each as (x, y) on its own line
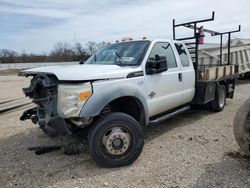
(219, 102)
(115, 140)
(242, 127)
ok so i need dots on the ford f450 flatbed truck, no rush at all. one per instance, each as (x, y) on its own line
(120, 90)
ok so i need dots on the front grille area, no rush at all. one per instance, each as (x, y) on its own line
(43, 91)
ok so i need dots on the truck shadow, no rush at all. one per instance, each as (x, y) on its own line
(244, 81)
(232, 171)
(183, 119)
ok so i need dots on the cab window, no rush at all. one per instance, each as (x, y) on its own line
(183, 55)
(164, 49)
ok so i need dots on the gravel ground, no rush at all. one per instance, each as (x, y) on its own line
(195, 149)
(11, 87)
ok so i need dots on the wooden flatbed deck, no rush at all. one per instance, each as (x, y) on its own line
(215, 73)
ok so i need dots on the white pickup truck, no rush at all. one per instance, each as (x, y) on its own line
(123, 88)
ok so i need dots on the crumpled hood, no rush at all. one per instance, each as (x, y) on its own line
(83, 72)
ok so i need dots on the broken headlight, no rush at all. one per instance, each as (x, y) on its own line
(71, 99)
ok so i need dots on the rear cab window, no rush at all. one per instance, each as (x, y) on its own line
(182, 54)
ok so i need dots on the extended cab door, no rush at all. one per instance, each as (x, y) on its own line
(187, 73)
(163, 90)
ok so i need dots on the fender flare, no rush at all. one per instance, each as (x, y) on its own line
(104, 96)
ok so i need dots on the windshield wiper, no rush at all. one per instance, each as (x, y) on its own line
(119, 57)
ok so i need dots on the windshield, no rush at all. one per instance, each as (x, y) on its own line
(125, 53)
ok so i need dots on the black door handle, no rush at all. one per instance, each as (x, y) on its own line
(180, 77)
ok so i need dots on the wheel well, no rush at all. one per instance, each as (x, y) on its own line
(129, 105)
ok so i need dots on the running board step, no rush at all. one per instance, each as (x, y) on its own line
(169, 115)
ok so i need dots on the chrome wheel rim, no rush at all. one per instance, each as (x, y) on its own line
(221, 98)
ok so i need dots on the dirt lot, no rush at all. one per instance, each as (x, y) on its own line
(11, 87)
(196, 149)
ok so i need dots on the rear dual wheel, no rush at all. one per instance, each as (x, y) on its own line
(115, 140)
(219, 102)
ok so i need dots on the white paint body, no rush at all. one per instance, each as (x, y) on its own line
(169, 91)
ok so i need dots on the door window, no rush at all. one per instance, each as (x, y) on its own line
(164, 49)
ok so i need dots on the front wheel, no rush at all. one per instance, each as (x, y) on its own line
(219, 102)
(115, 140)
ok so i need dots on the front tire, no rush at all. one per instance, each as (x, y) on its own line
(115, 140)
(219, 102)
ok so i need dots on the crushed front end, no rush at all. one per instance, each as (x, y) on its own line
(43, 90)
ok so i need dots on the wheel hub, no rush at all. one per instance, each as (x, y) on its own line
(116, 141)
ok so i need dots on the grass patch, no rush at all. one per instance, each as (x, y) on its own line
(9, 72)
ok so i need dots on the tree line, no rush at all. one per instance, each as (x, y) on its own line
(61, 52)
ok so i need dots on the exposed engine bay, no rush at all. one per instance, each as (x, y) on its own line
(43, 90)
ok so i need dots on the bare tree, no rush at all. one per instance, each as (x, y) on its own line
(8, 56)
(62, 52)
(92, 46)
(80, 52)
(24, 56)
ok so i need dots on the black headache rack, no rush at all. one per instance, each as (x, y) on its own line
(205, 83)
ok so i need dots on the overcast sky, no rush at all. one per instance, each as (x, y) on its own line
(36, 25)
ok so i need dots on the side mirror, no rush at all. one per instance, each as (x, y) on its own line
(157, 64)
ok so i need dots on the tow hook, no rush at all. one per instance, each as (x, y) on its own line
(30, 114)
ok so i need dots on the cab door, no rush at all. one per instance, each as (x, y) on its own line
(163, 90)
(188, 73)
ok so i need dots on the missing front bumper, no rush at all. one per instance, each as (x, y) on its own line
(53, 126)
